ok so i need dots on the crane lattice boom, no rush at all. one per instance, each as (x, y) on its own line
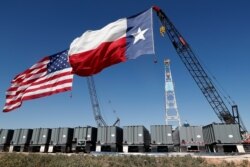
(95, 103)
(197, 72)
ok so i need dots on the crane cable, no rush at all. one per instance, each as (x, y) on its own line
(163, 28)
(216, 83)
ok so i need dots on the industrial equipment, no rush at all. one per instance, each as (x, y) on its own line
(172, 114)
(95, 104)
(198, 73)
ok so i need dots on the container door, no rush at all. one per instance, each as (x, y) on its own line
(140, 134)
(44, 136)
(64, 135)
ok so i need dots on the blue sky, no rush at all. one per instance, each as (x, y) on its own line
(218, 32)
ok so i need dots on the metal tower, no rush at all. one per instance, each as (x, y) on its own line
(200, 76)
(172, 114)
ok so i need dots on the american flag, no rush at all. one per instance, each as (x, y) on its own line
(51, 75)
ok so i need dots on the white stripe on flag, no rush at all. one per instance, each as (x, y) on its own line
(92, 39)
(51, 89)
(34, 86)
(8, 107)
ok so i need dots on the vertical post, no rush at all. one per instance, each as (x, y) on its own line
(172, 114)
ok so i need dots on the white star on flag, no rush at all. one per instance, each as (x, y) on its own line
(139, 35)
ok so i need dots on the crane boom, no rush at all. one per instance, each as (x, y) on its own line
(95, 103)
(198, 73)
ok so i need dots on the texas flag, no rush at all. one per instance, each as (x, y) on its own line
(117, 42)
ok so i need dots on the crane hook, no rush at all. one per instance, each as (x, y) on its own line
(162, 30)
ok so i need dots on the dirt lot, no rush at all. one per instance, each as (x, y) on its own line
(211, 158)
(237, 159)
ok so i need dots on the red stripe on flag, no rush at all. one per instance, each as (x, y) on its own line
(40, 81)
(12, 108)
(94, 61)
(36, 82)
(50, 85)
(38, 65)
(30, 77)
(43, 86)
(47, 93)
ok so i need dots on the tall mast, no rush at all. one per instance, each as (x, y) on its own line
(172, 114)
(200, 76)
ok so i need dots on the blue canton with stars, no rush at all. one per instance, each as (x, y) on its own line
(139, 45)
(58, 62)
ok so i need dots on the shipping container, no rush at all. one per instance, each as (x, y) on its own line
(5, 139)
(136, 135)
(188, 138)
(136, 139)
(40, 140)
(21, 136)
(61, 136)
(20, 140)
(109, 135)
(161, 134)
(221, 134)
(109, 138)
(190, 135)
(84, 139)
(40, 136)
(161, 138)
(61, 140)
(220, 137)
(6, 136)
(85, 133)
